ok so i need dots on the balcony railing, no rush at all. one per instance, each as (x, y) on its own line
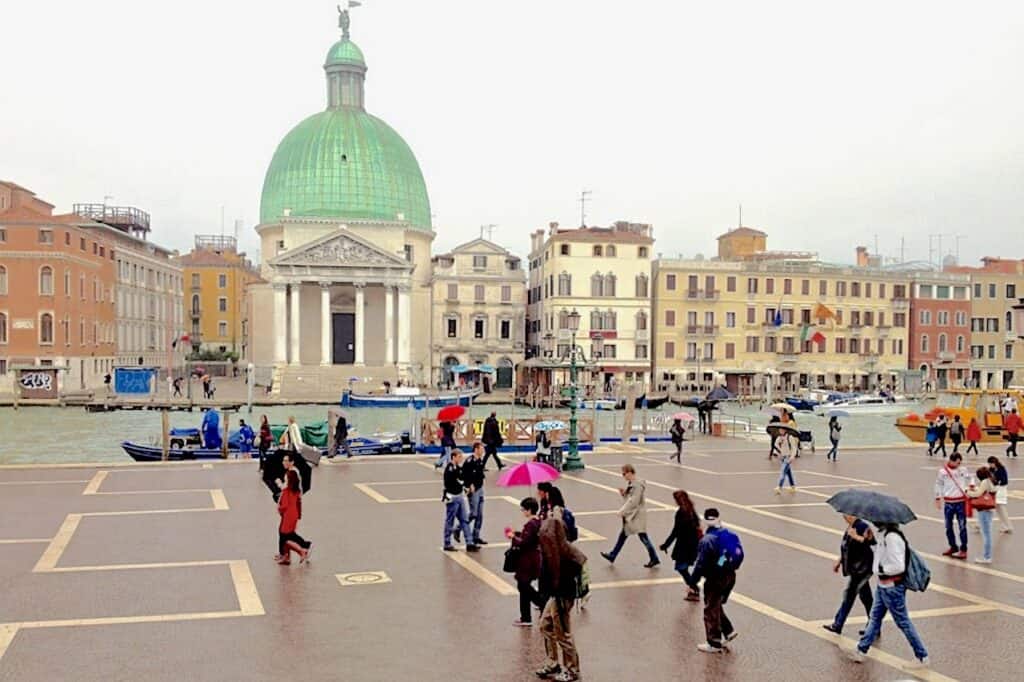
(701, 329)
(900, 304)
(945, 356)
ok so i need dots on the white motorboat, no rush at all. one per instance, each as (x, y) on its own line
(867, 404)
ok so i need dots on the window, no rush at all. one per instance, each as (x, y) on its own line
(977, 324)
(670, 318)
(770, 344)
(881, 290)
(641, 252)
(222, 330)
(642, 285)
(752, 285)
(222, 281)
(505, 329)
(926, 317)
(840, 288)
(709, 351)
(1009, 321)
(960, 344)
(479, 328)
(854, 318)
(597, 284)
(787, 286)
(598, 251)
(640, 352)
(407, 252)
(840, 345)
(691, 318)
(942, 318)
(195, 304)
(46, 281)
(609, 284)
(3, 328)
(478, 293)
(730, 351)
(45, 236)
(610, 251)
(3, 280)
(609, 350)
(769, 285)
(942, 343)
(195, 280)
(1008, 351)
(563, 249)
(1011, 291)
(867, 289)
(641, 321)
(479, 262)
(506, 293)
(81, 286)
(670, 282)
(822, 287)
(899, 319)
(992, 324)
(751, 316)
(991, 290)
(977, 291)
(3, 235)
(991, 352)
(730, 284)
(453, 292)
(730, 320)
(670, 349)
(46, 328)
(881, 318)
(452, 324)
(924, 343)
(222, 304)
(565, 284)
(753, 344)
(897, 347)
(805, 287)
(691, 351)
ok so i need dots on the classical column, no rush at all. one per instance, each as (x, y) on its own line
(404, 324)
(360, 324)
(326, 334)
(389, 325)
(293, 341)
(280, 324)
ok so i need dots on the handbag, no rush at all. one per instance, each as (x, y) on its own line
(511, 562)
(984, 502)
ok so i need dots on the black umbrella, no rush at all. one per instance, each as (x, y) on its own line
(871, 506)
(719, 393)
(273, 470)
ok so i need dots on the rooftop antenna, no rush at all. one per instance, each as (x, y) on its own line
(740, 223)
(584, 198)
(903, 245)
(222, 220)
(957, 238)
(489, 229)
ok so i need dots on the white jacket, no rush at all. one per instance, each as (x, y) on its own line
(890, 555)
(947, 481)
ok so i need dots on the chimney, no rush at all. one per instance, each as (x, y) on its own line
(862, 256)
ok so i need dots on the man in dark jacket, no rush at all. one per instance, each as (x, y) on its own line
(492, 439)
(855, 561)
(719, 580)
(473, 478)
(341, 437)
(455, 503)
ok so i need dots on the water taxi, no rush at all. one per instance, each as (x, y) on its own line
(970, 403)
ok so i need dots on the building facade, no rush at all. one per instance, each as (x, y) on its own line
(940, 332)
(605, 275)
(997, 360)
(783, 320)
(57, 287)
(216, 277)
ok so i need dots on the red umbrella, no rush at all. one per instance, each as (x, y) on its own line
(683, 416)
(527, 473)
(450, 413)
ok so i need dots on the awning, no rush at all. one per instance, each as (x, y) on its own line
(465, 369)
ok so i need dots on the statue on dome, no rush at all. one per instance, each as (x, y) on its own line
(343, 18)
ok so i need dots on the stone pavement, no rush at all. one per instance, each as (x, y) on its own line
(164, 572)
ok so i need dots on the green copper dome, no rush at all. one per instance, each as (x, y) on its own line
(343, 162)
(345, 52)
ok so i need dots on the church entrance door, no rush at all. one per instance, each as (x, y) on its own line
(344, 328)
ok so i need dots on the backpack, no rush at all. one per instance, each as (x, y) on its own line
(572, 533)
(730, 550)
(575, 580)
(916, 575)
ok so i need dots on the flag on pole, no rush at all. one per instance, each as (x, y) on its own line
(777, 320)
(818, 338)
(822, 312)
(805, 333)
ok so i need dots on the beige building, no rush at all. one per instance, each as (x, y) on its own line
(605, 275)
(479, 303)
(752, 316)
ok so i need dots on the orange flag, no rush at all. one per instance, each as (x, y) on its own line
(822, 312)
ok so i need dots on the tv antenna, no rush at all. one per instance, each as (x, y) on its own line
(584, 198)
(489, 229)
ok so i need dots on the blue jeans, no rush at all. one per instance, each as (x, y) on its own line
(985, 521)
(683, 569)
(456, 509)
(446, 455)
(643, 538)
(956, 510)
(834, 452)
(476, 515)
(787, 472)
(894, 600)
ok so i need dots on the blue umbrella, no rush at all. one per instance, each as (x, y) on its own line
(871, 506)
(549, 425)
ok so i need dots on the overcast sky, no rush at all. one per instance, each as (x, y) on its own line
(831, 125)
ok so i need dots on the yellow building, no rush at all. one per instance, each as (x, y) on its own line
(216, 277)
(782, 317)
(604, 275)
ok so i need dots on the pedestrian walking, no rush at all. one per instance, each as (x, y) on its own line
(246, 436)
(956, 432)
(553, 506)
(525, 546)
(931, 435)
(176, 385)
(206, 381)
(951, 497)
(289, 506)
(676, 431)
(1002, 480)
(856, 560)
(890, 565)
(1013, 425)
(266, 439)
(473, 478)
(341, 437)
(685, 535)
(454, 499)
(834, 429)
(785, 472)
(447, 444)
(634, 517)
(561, 569)
(973, 435)
(774, 448)
(941, 428)
(983, 500)
(291, 439)
(719, 556)
(492, 440)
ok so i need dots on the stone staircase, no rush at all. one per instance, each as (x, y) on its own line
(321, 383)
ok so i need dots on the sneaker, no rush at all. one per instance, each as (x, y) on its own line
(959, 555)
(731, 636)
(1006, 530)
(609, 557)
(693, 595)
(792, 489)
(778, 491)
(710, 648)
(450, 548)
(472, 548)
(284, 561)
(949, 552)
(652, 564)
(982, 560)
(858, 656)
(919, 664)
(481, 541)
(305, 557)
(833, 629)
(522, 623)
(566, 676)
(547, 671)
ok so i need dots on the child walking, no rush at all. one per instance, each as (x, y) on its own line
(290, 509)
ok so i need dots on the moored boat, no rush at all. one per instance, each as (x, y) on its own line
(404, 396)
(968, 403)
(866, 404)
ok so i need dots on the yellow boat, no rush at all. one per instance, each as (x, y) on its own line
(970, 403)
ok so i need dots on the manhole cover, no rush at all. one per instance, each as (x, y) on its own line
(363, 578)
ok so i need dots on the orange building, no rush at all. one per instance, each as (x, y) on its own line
(56, 292)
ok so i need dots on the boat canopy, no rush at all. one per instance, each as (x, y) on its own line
(464, 369)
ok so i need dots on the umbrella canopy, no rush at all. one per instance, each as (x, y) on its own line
(450, 413)
(838, 413)
(780, 429)
(871, 506)
(527, 473)
(273, 468)
(720, 393)
(783, 406)
(549, 425)
(684, 416)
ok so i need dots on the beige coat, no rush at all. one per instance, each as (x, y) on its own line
(634, 509)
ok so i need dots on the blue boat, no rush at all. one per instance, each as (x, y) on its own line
(403, 397)
(378, 444)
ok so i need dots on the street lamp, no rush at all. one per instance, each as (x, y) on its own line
(573, 461)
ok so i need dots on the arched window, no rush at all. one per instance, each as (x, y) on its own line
(959, 344)
(641, 320)
(609, 284)
(597, 250)
(642, 285)
(46, 328)
(3, 280)
(3, 328)
(46, 281)
(924, 343)
(610, 251)
(597, 285)
(942, 343)
(596, 320)
(195, 304)
(67, 282)
(565, 284)
(608, 320)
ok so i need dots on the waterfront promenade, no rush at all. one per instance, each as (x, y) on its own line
(164, 572)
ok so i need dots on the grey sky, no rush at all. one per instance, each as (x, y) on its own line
(829, 125)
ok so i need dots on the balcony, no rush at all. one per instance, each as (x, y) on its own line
(883, 330)
(856, 329)
(701, 330)
(642, 335)
(195, 313)
(703, 362)
(710, 295)
(787, 357)
(945, 356)
(694, 294)
(900, 304)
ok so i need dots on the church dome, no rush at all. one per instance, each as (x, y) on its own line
(343, 162)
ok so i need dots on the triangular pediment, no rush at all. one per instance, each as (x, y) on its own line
(481, 246)
(341, 248)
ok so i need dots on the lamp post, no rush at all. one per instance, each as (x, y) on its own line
(573, 462)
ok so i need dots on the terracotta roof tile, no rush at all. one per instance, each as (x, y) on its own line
(744, 232)
(590, 234)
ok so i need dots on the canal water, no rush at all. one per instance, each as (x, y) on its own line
(70, 434)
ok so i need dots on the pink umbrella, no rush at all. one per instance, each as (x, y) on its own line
(684, 416)
(527, 473)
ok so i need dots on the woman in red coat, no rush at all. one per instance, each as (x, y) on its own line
(973, 435)
(290, 509)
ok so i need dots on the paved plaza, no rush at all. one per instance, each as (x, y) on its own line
(165, 572)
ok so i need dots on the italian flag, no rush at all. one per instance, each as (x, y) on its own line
(809, 333)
